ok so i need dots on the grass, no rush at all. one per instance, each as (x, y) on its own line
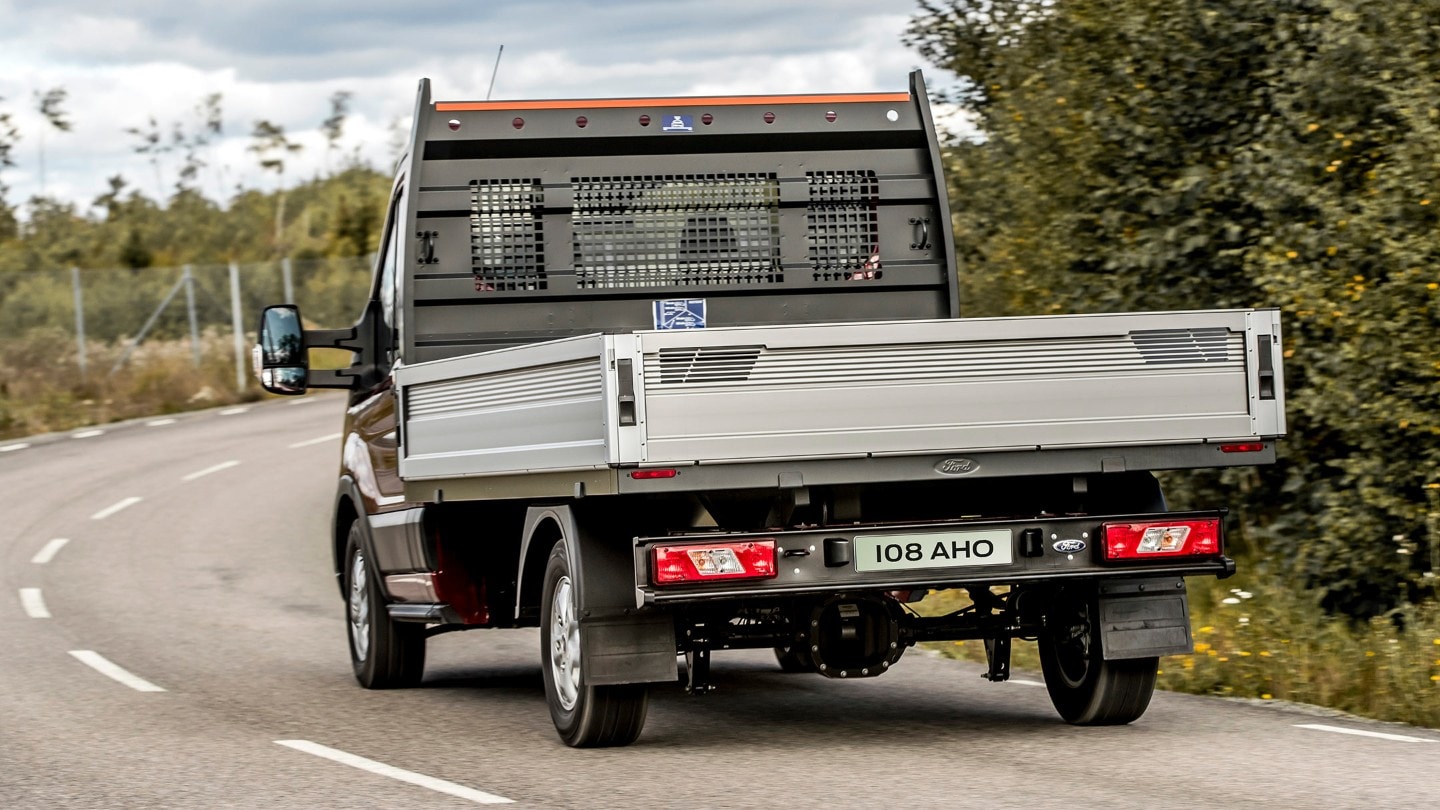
(1255, 637)
(42, 390)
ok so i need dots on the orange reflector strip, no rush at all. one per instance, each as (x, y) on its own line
(698, 101)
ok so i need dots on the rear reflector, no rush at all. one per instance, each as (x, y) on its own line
(1174, 538)
(1243, 447)
(643, 475)
(754, 559)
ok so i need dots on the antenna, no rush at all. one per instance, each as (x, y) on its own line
(494, 71)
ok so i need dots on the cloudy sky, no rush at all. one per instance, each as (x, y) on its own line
(124, 62)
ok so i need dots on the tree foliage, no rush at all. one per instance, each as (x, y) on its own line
(1153, 154)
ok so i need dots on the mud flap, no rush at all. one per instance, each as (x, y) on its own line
(1143, 618)
(628, 649)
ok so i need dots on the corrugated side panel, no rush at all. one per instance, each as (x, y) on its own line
(536, 419)
(762, 398)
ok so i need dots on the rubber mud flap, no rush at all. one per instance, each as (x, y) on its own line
(1145, 626)
(629, 649)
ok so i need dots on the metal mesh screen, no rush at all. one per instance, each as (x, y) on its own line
(676, 230)
(506, 245)
(842, 226)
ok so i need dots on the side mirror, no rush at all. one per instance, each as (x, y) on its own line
(280, 358)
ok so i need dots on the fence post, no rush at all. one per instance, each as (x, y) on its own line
(289, 278)
(190, 308)
(79, 318)
(238, 326)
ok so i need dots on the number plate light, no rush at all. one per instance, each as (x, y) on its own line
(678, 564)
(1173, 538)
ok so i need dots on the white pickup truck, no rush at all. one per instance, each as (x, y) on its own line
(666, 376)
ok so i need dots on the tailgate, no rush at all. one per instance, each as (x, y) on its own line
(874, 389)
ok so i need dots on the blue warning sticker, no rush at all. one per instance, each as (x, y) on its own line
(680, 313)
(678, 123)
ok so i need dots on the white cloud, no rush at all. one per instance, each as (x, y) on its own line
(123, 63)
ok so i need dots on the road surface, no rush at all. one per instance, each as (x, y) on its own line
(173, 637)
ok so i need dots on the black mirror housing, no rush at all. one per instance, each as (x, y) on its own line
(281, 359)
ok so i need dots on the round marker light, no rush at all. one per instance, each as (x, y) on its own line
(769, 117)
(454, 125)
(581, 121)
(831, 116)
(707, 119)
(644, 120)
(518, 123)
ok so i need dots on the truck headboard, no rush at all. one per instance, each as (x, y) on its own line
(534, 220)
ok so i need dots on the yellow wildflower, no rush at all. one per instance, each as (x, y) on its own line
(1207, 629)
(1290, 254)
(1312, 127)
(1369, 653)
(1201, 647)
(1266, 696)
(1244, 654)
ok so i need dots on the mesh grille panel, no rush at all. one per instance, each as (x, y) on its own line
(842, 225)
(676, 230)
(506, 246)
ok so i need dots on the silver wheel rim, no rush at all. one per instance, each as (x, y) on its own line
(359, 609)
(565, 645)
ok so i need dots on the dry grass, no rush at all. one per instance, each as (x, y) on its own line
(41, 389)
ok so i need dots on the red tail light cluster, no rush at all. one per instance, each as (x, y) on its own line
(679, 564)
(1162, 539)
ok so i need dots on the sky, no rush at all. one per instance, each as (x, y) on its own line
(124, 62)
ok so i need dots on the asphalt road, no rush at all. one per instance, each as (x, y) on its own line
(212, 594)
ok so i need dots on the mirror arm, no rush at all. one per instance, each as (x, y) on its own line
(347, 339)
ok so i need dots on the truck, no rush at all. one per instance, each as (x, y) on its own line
(670, 376)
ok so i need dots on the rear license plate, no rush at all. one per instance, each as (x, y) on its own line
(899, 552)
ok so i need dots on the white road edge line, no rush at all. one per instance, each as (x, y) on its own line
(302, 401)
(105, 667)
(86, 434)
(48, 552)
(1357, 732)
(224, 465)
(380, 768)
(113, 508)
(1027, 682)
(159, 422)
(332, 437)
(34, 603)
(10, 448)
(233, 411)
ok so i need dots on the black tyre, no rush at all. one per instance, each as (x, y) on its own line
(1086, 689)
(585, 716)
(794, 659)
(385, 654)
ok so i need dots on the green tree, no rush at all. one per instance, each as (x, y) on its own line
(1148, 154)
(49, 104)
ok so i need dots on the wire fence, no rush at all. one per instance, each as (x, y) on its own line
(129, 307)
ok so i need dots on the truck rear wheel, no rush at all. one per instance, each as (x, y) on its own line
(385, 654)
(585, 716)
(1086, 689)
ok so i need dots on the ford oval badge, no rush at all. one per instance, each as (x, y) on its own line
(1068, 546)
(957, 466)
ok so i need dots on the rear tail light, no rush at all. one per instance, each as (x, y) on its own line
(752, 559)
(1162, 539)
(1243, 447)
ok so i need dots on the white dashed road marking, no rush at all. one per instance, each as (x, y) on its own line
(105, 667)
(332, 437)
(87, 434)
(159, 422)
(437, 785)
(224, 465)
(233, 411)
(34, 603)
(113, 508)
(48, 552)
(10, 448)
(1357, 732)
